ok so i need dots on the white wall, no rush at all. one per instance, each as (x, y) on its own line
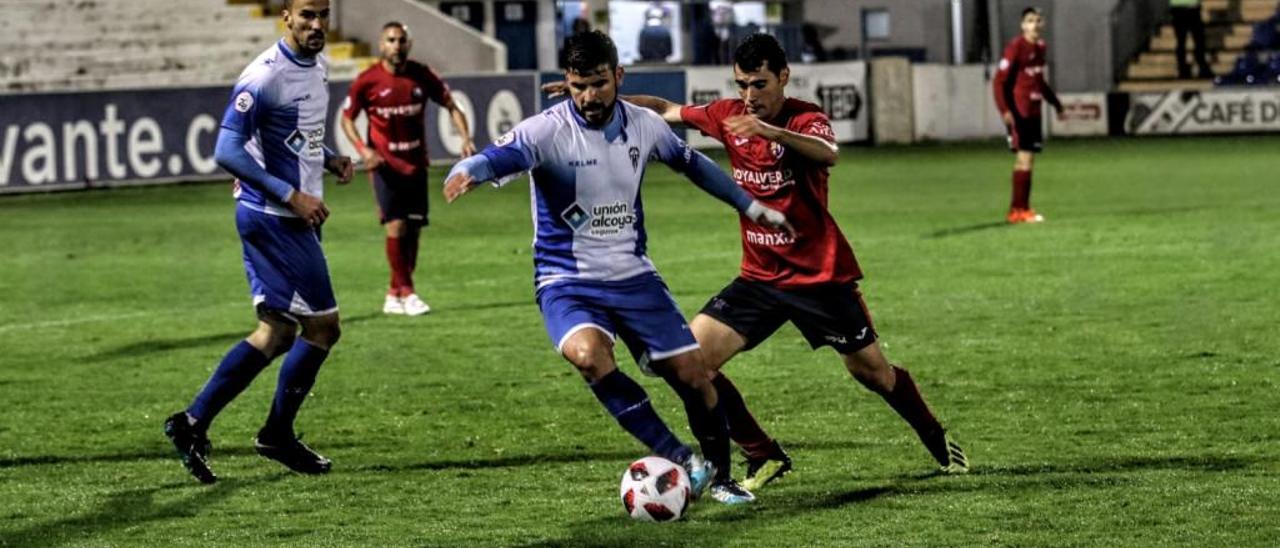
(953, 102)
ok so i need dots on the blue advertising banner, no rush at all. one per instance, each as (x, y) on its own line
(112, 138)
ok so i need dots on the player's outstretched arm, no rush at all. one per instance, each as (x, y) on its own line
(714, 181)
(669, 111)
(812, 147)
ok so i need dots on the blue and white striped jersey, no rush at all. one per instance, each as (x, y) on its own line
(587, 212)
(280, 104)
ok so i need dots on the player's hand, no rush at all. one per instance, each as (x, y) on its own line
(372, 160)
(555, 89)
(342, 167)
(457, 185)
(468, 148)
(308, 207)
(1008, 119)
(747, 126)
(768, 217)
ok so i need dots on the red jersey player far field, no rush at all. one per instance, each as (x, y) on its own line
(393, 93)
(780, 149)
(1019, 88)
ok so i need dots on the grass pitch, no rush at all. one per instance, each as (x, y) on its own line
(1112, 372)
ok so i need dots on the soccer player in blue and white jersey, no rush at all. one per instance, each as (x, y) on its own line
(272, 140)
(594, 281)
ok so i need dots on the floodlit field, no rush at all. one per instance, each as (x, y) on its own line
(1114, 373)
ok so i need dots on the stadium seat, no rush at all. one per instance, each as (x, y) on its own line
(48, 45)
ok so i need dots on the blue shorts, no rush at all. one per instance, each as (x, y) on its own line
(638, 310)
(285, 266)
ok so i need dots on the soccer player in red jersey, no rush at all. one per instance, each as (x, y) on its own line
(780, 149)
(1019, 88)
(393, 93)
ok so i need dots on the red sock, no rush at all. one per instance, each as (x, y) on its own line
(1021, 190)
(399, 273)
(743, 428)
(907, 401)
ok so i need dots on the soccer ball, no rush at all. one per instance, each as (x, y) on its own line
(655, 489)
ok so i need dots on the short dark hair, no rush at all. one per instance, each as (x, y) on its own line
(395, 25)
(760, 49)
(1030, 10)
(585, 51)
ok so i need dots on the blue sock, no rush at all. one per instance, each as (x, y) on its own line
(238, 368)
(297, 376)
(629, 404)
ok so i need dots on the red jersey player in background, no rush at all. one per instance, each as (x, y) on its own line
(393, 93)
(780, 149)
(1019, 88)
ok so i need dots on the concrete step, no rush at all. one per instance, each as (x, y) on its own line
(1140, 86)
(1168, 57)
(1233, 41)
(344, 70)
(1170, 71)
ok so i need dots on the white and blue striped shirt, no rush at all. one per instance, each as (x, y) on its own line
(280, 104)
(588, 215)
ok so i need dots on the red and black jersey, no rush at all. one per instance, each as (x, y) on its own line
(395, 104)
(790, 183)
(1019, 84)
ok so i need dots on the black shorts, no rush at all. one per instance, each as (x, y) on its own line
(401, 196)
(827, 315)
(1027, 134)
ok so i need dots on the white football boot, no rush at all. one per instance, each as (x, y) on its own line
(413, 305)
(393, 305)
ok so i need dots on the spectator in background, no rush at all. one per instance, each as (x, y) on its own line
(723, 21)
(580, 25)
(655, 38)
(813, 51)
(1186, 18)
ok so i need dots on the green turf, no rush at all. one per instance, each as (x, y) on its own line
(1112, 372)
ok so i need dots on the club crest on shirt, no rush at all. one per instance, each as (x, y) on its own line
(634, 153)
(417, 92)
(505, 139)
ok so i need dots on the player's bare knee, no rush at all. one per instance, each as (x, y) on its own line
(591, 360)
(870, 370)
(322, 332)
(395, 228)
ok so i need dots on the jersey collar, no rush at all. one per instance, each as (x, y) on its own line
(291, 56)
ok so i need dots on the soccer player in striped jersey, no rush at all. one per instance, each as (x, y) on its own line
(272, 140)
(594, 281)
(780, 148)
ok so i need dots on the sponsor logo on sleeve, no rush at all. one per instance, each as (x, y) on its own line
(244, 101)
(506, 139)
